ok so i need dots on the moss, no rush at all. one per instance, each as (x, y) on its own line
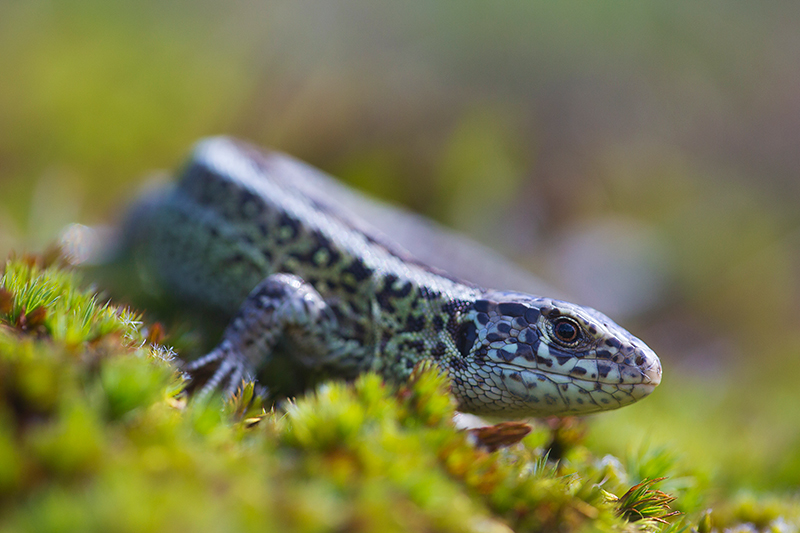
(95, 436)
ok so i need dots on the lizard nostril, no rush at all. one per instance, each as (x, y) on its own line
(639, 360)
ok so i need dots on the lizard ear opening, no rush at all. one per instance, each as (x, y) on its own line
(465, 337)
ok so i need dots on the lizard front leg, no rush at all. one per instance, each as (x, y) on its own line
(281, 307)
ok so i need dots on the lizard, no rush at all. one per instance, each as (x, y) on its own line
(273, 243)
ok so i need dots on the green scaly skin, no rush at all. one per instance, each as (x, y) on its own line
(329, 293)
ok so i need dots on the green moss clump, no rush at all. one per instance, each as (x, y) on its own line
(95, 436)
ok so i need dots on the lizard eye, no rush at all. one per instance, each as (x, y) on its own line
(566, 330)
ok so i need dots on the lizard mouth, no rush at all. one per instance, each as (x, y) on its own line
(644, 374)
(648, 380)
(538, 391)
(520, 392)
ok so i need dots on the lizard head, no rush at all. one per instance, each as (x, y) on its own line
(531, 356)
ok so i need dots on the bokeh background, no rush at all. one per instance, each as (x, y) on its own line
(644, 157)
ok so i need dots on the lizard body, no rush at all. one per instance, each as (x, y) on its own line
(322, 287)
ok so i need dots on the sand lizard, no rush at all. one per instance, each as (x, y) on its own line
(332, 294)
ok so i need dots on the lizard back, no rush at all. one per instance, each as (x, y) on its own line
(231, 221)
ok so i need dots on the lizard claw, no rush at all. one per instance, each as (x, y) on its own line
(232, 369)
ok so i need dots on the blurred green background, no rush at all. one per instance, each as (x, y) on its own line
(642, 156)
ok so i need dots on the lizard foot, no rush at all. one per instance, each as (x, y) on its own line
(223, 369)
